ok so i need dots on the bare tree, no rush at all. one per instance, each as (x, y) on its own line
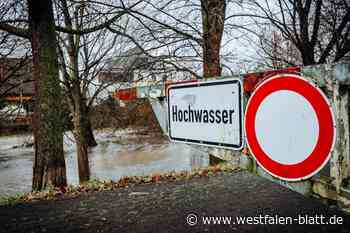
(319, 30)
(49, 163)
(277, 52)
(15, 58)
(186, 34)
(83, 56)
(34, 20)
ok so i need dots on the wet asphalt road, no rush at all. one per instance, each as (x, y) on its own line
(165, 207)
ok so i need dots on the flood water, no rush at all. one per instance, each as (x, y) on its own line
(120, 153)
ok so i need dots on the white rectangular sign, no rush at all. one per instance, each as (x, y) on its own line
(208, 113)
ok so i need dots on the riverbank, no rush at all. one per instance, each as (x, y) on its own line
(55, 193)
(177, 206)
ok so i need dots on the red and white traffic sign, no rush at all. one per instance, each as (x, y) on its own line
(290, 127)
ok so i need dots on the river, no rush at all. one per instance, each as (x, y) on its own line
(119, 153)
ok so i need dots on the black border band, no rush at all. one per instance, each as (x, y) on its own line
(209, 83)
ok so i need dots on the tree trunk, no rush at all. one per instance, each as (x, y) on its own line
(81, 122)
(78, 104)
(308, 55)
(213, 17)
(90, 138)
(49, 164)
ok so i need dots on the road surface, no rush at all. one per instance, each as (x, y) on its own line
(180, 206)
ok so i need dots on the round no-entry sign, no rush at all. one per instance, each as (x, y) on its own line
(289, 127)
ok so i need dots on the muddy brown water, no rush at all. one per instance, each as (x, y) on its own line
(120, 153)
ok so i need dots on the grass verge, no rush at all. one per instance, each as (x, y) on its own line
(52, 193)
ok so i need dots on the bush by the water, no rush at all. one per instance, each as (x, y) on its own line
(110, 114)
